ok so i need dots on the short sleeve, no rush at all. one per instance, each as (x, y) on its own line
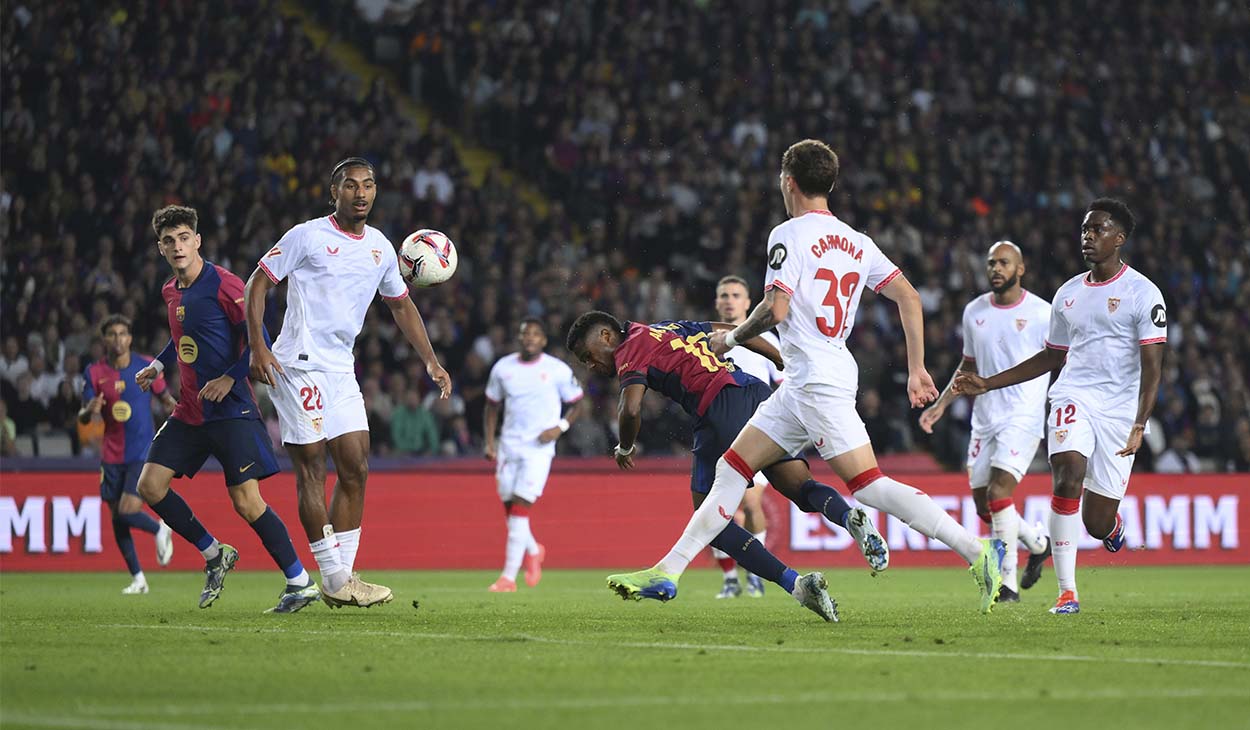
(684, 328)
(285, 256)
(494, 385)
(966, 333)
(392, 285)
(785, 267)
(230, 296)
(88, 387)
(1058, 337)
(570, 389)
(1151, 316)
(632, 360)
(881, 270)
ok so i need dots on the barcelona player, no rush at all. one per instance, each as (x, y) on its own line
(216, 414)
(673, 358)
(127, 413)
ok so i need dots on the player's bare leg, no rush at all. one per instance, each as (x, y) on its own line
(858, 468)
(1068, 468)
(1102, 517)
(308, 461)
(350, 452)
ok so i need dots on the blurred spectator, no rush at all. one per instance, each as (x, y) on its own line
(1179, 457)
(8, 432)
(414, 430)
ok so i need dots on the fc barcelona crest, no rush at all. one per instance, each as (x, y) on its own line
(1020, 323)
(1061, 434)
(119, 386)
(180, 312)
(1113, 303)
(377, 256)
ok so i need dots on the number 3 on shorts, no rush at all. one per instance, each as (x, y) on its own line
(314, 392)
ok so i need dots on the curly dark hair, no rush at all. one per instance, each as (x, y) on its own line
(172, 216)
(112, 321)
(1119, 212)
(582, 325)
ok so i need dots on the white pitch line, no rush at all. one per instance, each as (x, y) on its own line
(706, 647)
(86, 722)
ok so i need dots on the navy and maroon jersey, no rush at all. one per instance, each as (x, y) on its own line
(208, 336)
(127, 410)
(673, 358)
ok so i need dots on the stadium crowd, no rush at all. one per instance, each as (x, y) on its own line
(655, 133)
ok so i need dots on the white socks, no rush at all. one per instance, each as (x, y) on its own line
(1005, 525)
(1065, 531)
(212, 551)
(1031, 537)
(326, 551)
(712, 516)
(519, 541)
(349, 543)
(921, 513)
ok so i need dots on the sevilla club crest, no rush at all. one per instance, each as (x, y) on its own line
(1061, 434)
(377, 256)
(1113, 303)
(316, 424)
(1020, 324)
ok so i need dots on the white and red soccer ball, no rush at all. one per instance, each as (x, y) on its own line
(427, 257)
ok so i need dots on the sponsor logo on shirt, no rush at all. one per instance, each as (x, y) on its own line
(1067, 303)
(188, 350)
(777, 256)
(332, 251)
(980, 322)
(121, 411)
(1113, 303)
(1159, 316)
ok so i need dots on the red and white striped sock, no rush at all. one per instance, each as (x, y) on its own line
(915, 508)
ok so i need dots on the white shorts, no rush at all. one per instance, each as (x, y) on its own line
(317, 406)
(522, 474)
(821, 414)
(1009, 447)
(1070, 427)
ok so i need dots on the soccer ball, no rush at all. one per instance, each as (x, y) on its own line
(427, 257)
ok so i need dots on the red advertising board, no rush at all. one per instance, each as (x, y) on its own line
(595, 518)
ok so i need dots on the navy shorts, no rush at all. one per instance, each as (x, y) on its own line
(716, 429)
(119, 479)
(241, 446)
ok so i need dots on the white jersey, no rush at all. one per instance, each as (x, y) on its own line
(1102, 326)
(532, 394)
(756, 365)
(333, 277)
(824, 265)
(997, 338)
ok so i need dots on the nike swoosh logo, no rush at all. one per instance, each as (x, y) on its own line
(245, 468)
(244, 413)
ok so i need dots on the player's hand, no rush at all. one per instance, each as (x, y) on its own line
(264, 367)
(441, 379)
(625, 459)
(490, 451)
(96, 404)
(967, 383)
(716, 342)
(549, 435)
(920, 388)
(931, 415)
(1134, 441)
(217, 388)
(146, 377)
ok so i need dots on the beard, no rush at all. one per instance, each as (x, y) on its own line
(1008, 284)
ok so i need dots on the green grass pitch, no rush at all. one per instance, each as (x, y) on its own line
(1154, 648)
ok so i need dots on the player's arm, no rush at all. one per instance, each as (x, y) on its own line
(91, 408)
(490, 427)
(1047, 360)
(920, 387)
(934, 413)
(1151, 370)
(148, 375)
(758, 345)
(261, 364)
(770, 312)
(629, 423)
(413, 326)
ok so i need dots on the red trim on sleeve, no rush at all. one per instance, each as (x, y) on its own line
(268, 273)
(970, 358)
(492, 400)
(780, 285)
(1053, 346)
(394, 299)
(1154, 340)
(887, 280)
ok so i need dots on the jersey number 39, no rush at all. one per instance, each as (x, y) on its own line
(847, 289)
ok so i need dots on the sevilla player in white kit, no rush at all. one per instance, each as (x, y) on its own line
(1000, 329)
(733, 301)
(817, 269)
(335, 266)
(533, 387)
(1111, 326)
